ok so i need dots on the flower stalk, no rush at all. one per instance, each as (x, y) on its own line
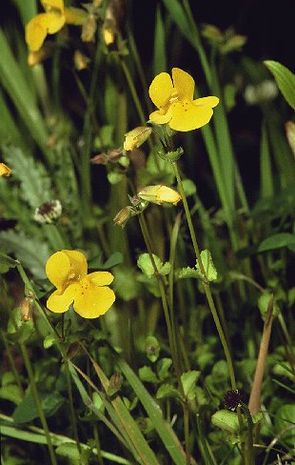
(206, 285)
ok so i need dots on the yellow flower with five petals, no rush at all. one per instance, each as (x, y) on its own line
(88, 293)
(175, 103)
(50, 22)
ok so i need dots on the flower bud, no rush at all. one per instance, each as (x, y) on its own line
(81, 61)
(136, 137)
(108, 32)
(123, 216)
(290, 133)
(5, 170)
(159, 195)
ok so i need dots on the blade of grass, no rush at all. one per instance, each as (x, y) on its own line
(266, 178)
(159, 62)
(154, 412)
(139, 447)
(18, 90)
(37, 436)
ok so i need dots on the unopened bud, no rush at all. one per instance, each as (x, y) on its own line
(108, 32)
(136, 137)
(123, 216)
(80, 60)
(159, 195)
(115, 384)
(26, 309)
(290, 132)
(89, 29)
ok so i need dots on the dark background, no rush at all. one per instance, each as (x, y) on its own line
(269, 25)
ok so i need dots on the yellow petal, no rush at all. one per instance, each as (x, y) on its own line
(53, 22)
(101, 278)
(5, 170)
(75, 16)
(49, 5)
(35, 33)
(158, 117)
(92, 301)
(210, 101)
(186, 116)
(159, 194)
(183, 84)
(78, 262)
(60, 302)
(160, 90)
(65, 267)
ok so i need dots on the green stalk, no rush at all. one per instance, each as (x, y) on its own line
(37, 400)
(171, 337)
(12, 364)
(133, 91)
(206, 285)
(72, 410)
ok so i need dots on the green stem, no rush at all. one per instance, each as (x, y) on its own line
(248, 446)
(72, 410)
(171, 337)
(206, 285)
(37, 400)
(97, 443)
(12, 364)
(133, 91)
(186, 432)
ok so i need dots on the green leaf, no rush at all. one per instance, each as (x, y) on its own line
(35, 181)
(188, 381)
(167, 391)
(266, 300)
(6, 263)
(29, 251)
(187, 272)
(226, 420)
(277, 241)
(284, 420)
(115, 259)
(146, 374)
(145, 264)
(74, 454)
(208, 265)
(12, 393)
(26, 411)
(163, 367)
(152, 348)
(189, 187)
(285, 80)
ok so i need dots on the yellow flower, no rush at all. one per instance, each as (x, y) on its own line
(88, 293)
(5, 170)
(50, 22)
(159, 194)
(174, 100)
